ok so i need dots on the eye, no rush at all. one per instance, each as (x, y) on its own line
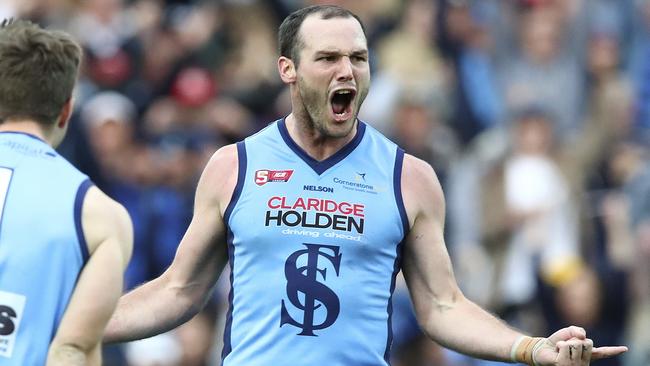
(360, 58)
(329, 58)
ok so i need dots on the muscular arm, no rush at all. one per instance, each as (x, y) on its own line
(444, 313)
(182, 290)
(109, 235)
(442, 310)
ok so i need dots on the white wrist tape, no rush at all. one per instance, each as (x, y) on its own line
(513, 350)
(524, 348)
(537, 347)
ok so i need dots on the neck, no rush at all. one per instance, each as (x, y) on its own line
(313, 141)
(27, 126)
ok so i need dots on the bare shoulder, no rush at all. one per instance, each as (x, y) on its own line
(219, 178)
(421, 189)
(223, 161)
(103, 219)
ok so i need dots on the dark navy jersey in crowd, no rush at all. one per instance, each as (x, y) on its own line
(314, 249)
(42, 249)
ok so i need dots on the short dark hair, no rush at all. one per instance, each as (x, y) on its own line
(38, 71)
(290, 43)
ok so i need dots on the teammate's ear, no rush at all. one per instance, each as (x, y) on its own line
(66, 112)
(287, 70)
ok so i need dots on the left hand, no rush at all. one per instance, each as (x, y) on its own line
(571, 347)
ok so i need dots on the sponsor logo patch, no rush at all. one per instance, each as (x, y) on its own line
(361, 182)
(300, 216)
(264, 176)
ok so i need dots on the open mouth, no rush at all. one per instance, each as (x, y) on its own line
(341, 102)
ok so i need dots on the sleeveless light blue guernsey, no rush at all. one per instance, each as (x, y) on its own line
(42, 249)
(314, 250)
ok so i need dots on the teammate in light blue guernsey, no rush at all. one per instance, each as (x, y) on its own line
(316, 214)
(63, 243)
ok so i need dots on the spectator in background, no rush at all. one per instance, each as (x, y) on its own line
(597, 302)
(113, 53)
(426, 68)
(477, 104)
(179, 158)
(542, 66)
(125, 166)
(605, 82)
(51, 13)
(625, 215)
(528, 216)
(608, 123)
(249, 73)
(418, 128)
(229, 119)
(639, 194)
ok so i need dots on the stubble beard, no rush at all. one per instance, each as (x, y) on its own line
(316, 115)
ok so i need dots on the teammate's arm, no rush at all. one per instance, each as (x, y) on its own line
(109, 236)
(443, 312)
(183, 289)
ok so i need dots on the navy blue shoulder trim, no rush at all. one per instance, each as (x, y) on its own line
(239, 187)
(397, 185)
(241, 177)
(78, 205)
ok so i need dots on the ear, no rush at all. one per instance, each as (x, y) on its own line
(66, 112)
(287, 70)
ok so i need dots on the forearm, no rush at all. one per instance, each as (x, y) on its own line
(463, 326)
(151, 309)
(73, 355)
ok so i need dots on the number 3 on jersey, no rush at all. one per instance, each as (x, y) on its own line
(5, 179)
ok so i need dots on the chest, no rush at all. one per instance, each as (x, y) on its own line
(284, 205)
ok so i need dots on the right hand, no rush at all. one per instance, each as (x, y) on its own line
(571, 347)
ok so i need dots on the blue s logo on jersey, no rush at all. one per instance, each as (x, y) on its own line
(303, 279)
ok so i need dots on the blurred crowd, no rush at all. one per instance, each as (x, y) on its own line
(534, 113)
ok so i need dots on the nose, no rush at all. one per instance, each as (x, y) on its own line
(344, 72)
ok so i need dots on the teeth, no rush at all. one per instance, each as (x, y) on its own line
(343, 92)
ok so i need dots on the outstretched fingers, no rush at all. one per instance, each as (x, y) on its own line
(570, 346)
(598, 353)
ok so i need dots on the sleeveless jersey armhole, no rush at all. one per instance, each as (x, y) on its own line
(241, 177)
(78, 205)
(397, 187)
